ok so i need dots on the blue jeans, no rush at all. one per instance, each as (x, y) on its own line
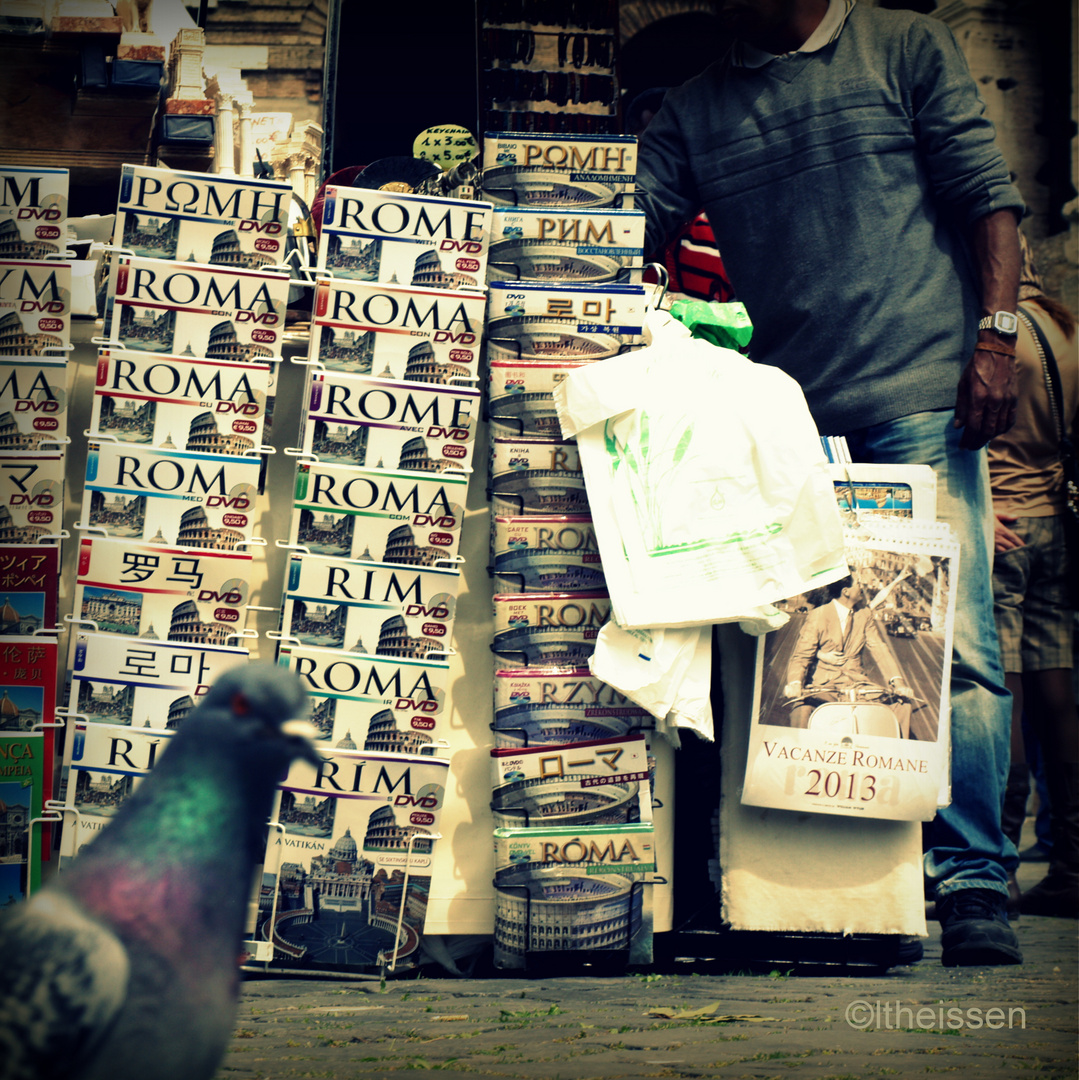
(964, 845)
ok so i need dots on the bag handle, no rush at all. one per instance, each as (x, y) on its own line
(1052, 380)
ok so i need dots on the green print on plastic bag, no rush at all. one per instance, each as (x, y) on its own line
(647, 468)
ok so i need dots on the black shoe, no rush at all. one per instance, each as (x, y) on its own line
(1035, 853)
(975, 931)
(908, 950)
(1056, 895)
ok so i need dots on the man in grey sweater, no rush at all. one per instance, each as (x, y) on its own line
(867, 221)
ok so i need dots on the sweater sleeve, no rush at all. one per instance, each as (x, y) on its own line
(957, 139)
(666, 190)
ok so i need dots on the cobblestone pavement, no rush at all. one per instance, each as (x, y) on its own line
(922, 1020)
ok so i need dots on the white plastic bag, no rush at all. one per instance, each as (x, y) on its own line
(666, 671)
(707, 482)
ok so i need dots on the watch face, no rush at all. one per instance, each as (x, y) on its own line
(1005, 322)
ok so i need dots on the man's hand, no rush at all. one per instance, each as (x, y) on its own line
(897, 686)
(792, 690)
(985, 403)
(1003, 537)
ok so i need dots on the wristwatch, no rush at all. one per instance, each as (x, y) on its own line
(1003, 322)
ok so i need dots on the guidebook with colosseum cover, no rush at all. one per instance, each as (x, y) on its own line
(545, 554)
(236, 222)
(179, 402)
(537, 629)
(536, 476)
(404, 239)
(528, 320)
(563, 246)
(537, 334)
(387, 609)
(597, 782)
(35, 308)
(33, 402)
(192, 309)
(170, 498)
(33, 211)
(127, 697)
(378, 514)
(103, 766)
(548, 705)
(143, 682)
(172, 594)
(572, 890)
(362, 701)
(397, 331)
(31, 496)
(358, 420)
(347, 873)
(541, 170)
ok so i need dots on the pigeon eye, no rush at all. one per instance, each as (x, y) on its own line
(240, 705)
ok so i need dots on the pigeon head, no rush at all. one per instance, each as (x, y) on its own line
(257, 709)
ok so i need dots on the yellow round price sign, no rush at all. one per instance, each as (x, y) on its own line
(446, 145)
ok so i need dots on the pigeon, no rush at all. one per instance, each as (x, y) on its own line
(126, 965)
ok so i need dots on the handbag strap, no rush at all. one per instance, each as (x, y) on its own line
(1052, 380)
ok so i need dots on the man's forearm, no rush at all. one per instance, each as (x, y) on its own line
(994, 240)
(985, 399)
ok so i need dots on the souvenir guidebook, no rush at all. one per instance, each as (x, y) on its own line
(519, 397)
(573, 890)
(28, 668)
(33, 403)
(540, 629)
(175, 594)
(105, 766)
(30, 586)
(392, 705)
(347, 874)
(22, 795)
(548, 705)
(399, 333)
(888, 491)
(180, 403)
(528, 321)
(398, 239)
(855, 723)
(386, 609)
(139, 682)
(601, 782)
(35, 308)
(191, 309)
(31, 496)
(236, 222)
(33, 211)
(545, 554)
(585, 247)
(536, 476)
(356, 420)
(378, 514)
(170, 498)
(534, 170)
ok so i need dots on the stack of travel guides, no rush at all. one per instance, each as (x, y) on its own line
(391, 408)
(564, 292)
(193, 326)
(35, 338)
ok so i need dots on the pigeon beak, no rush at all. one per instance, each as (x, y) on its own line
(304, 733)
